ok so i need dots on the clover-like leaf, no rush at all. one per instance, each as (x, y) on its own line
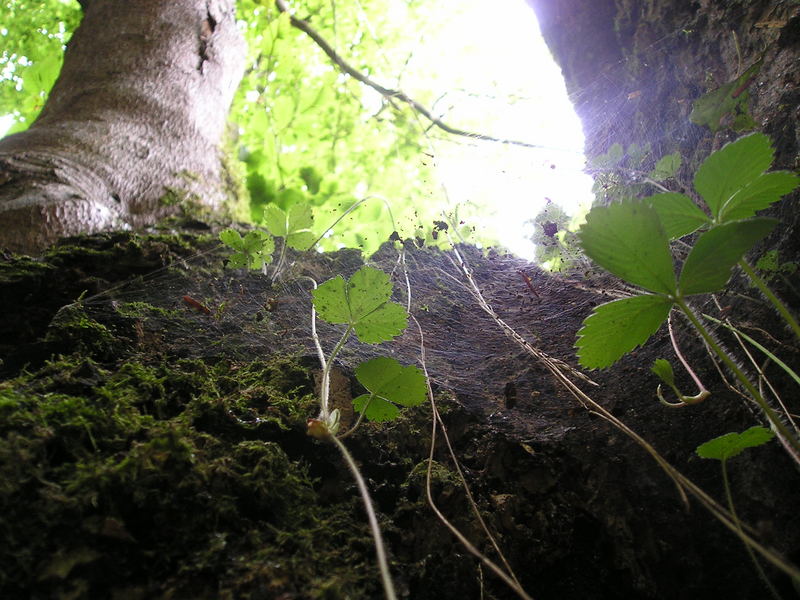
(294, 226)
(731, 168)
(765, 190)
(388, 379)
(377, 409)
(617, 327)
(253, 251)
(363, 303)
(731, 444)
(678, 213)
(708, 266)
(628, 240)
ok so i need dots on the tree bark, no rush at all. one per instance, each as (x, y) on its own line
(131, 128)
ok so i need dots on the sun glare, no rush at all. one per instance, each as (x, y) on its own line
(496, 76)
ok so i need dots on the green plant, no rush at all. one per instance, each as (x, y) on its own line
(631, 239)
(363, 304)
(724, 448)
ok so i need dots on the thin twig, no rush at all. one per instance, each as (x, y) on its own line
(388, 93)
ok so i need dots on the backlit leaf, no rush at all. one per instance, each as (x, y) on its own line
(734, 166)
(628, 240)
(362, 302)
(377, 409)
(617, 327)
(708, 266)
(764, 191)
(678, 213)
(729, 445)
(388, 379)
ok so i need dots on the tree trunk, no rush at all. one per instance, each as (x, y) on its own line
(131, 128)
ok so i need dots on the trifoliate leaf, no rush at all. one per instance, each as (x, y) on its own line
(378, 409)
(628, 240)
(666, 167)
(708, 266)
(618, 327)
(764, 191)
(362, 302)
(258, 247)
(678, 213)
(729, 445)
(663, 370)
(388, 379)
(731, 168)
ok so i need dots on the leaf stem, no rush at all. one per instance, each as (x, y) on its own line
(702, 392)
(325, 385)
(739, 374)
(380, 548)
(770, 295)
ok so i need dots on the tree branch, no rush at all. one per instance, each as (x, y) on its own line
(389, 93)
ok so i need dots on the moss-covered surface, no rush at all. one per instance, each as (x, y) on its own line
(168, 480)
(142, 458)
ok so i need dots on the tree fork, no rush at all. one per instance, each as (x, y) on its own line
(138, 112)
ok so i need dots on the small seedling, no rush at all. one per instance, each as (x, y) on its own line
(253, 251)
(724, 448)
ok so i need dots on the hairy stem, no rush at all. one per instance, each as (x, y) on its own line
(380, 548)
(770, 295)
(739, 374)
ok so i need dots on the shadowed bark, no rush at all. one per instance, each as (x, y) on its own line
(131, 127)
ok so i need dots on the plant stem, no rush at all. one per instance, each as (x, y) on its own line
(738, 523)
(325, 385)
(739, 374)
(770, 295)
(380, 549)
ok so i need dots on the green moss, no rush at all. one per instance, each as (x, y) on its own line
(169, 480)
(72, 330)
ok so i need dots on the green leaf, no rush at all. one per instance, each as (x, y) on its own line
(383, 324)
(628, 240)
(275, 220)
(710, 108)
(678, 213)
(729, 445)
(663, 370)
(377, 409)
(618, 327)
(388, 379)
(666, 167)
(363, 303)
(761, 193)
(708, 266)
(254, 250)
(731, 168)
(299, 221)
(231, 238)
